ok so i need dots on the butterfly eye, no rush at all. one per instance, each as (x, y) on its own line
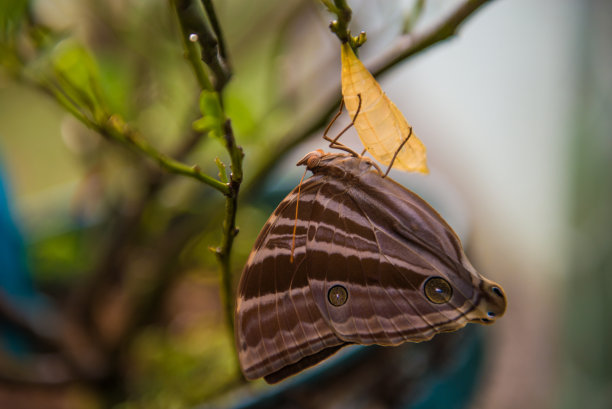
(438, 290)
(497, 292)
(337, 295)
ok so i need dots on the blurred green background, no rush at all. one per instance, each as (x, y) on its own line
(515, 114)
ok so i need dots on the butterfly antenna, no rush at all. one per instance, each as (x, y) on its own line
(333, 143)
(297, 203)
(397, 152)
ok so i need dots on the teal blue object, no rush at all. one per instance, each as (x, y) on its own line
(15, 280)
(454, 386)
(449, 372)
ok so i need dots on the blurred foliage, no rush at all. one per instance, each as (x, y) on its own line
(60, 258)
(187, 363)
(587, 360)
(112, 239)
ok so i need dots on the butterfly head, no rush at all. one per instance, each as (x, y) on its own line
(312, 159)
(338, 165)
(492, 304)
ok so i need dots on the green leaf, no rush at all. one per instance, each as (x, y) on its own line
(213, 118)
(77, 73)
(12, 12)
(210, 105)
(222, 170)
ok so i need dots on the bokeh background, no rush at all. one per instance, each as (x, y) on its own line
(515, 112)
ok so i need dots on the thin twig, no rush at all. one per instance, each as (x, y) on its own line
(340, 26)
(214, 22)
(230, 231)
(410, 44)
(118, 130)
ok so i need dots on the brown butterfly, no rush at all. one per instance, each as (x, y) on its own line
(364, 261)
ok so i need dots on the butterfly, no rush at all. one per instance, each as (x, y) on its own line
(352, 257)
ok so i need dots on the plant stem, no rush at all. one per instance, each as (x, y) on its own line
(214, 55)
(114, 128)
(119, 131)
(230, 231)
(192, 23)
(192, 19)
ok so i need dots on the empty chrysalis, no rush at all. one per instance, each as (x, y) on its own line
(380, 125)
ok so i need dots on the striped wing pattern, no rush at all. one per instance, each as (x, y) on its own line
(377, 240)
(277, 321)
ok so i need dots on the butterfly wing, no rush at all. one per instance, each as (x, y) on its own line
(277, 322)
(382, 243)
(375, 242)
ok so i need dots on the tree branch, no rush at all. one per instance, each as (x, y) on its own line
(115, 129)
(118, 130)
(410, 44)
(230, 231)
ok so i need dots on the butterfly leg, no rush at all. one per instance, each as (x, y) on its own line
(327, 138)
(333, 143)
(397, 152)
